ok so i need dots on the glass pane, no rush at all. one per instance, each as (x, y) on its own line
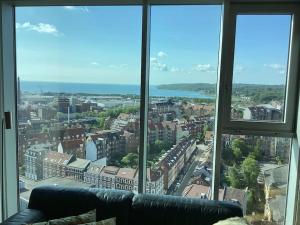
(260, 67)
(78, 96)
(254, 174)
(183, 74)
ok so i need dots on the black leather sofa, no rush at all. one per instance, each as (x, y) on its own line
(49, 202)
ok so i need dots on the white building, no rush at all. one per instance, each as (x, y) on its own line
(90, 149)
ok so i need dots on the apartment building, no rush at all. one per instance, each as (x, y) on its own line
(125, 179)
(34, 160)
(55, 163)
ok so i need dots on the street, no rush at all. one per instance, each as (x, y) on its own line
(197, 159)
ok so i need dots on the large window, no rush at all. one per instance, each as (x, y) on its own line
(259, 100)
(78, 72)
(194, 99)
(183, 76)
(260, 67)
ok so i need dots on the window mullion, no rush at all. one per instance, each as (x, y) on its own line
(2, 132)
(144, 98)
(293, 185)
(220, 98)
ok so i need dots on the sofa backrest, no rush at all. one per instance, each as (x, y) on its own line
(58, 202)
(130, 209)
(174, 210)
(114, 203)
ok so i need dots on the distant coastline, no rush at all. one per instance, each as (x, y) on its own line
(39, 87)
(257, 92)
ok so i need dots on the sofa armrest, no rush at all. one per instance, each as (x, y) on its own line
(59, 201)
(26, 216)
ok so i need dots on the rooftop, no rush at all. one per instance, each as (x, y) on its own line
(127, 173)
(40, 147)
(110, 170)
(95, 168)
(277, 176)
(79, 163)
(195, 190)
(58, 158)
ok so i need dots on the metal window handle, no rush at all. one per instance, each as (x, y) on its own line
(8, 122)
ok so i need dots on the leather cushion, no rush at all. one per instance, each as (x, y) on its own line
(26, 216)
(173, 210)
(58, 202)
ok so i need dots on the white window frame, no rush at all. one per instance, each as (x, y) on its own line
(285, 128)
(7, 75)
(222, 124)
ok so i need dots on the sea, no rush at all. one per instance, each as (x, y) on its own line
(103, 89)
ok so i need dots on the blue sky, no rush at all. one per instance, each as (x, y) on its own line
(103, 45)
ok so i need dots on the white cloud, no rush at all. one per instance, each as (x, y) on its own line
(163, 67)
(162, 54)
(95, 63)
(238, 68)
(118, 66)
(124, 65)
(174, 69)
(84, 9)
(157, 65)
(40, 28)
(274, 66)
(205, 68)
(112, 66)
(279, 68)
(153, 60)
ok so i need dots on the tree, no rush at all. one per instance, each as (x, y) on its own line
(200, 136)
(250, 201)
(257, 152)
(158, 147)
(102, 122)
(234, 177)
(206, 128)
(250, 170)
(237, 153)
(240, 143)
(130, 160)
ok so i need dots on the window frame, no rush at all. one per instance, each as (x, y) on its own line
(222, 124)
(10, 198)
(286, 127)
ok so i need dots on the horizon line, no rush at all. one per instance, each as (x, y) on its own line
(65, 82)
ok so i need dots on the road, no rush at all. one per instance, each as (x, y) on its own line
(197, 160)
